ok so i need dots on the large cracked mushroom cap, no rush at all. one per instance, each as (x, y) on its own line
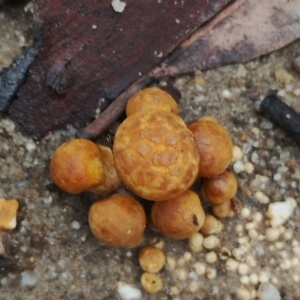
(156, 155)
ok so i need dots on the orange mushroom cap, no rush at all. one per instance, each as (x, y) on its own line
(156, 155)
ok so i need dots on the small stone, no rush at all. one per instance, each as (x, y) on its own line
(118, 5)
(279, 213)
(128, 292)
(75, 225)
(28, 278)
(283, 76)
(262, 197)
(249, 168)
(237, 153)
(241, 71)
(265, 124)
(268, 291)
(238, 167)
(8, 214)
(226, 94)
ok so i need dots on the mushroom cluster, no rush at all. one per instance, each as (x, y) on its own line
(158, 157)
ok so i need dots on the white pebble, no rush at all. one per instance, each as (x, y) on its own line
(244, 279)
(193, 275)
(243, 293)
(253, 278)
(75, 225)
(239, 252)
(238, 167)
(196, 242)
(250, 225)
(262, 197)
(211, 257)
(30, 146)
(277, 177)
(243, 240)
(243, 269)
(253, 234)
(250, 260)
(211, 273)
(181, 274)
(272, 234)
(128, 292)
(211, 242)
(237, 153)
(292, 201)
(285, 264)
(279, 213)
(267, 291)
(194, 286)
(28, 278)
(232, 265)
(239, 228)
(171, 263)
(257, 217)
(118, 5)
(174, 290)
(263, 276)
(249, 168)
(187, 256)
(265, 124)
(245, 212)
(255, 131)
(200, 268)
(226, 94)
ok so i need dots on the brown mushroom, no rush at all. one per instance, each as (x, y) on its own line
(156, 155)
(151, 98)
(118, 221)
(221, 188)
(214, 144)
(223, 210)
(151, 259)
(111, 180)
(180, 217)
(80, 165)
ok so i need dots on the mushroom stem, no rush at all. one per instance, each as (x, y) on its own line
(115, 109)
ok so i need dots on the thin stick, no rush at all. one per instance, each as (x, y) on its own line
(115, 109)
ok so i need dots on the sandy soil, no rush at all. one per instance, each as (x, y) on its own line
(61, 258)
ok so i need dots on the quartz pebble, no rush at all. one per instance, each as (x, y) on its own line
(128, 292)
(283, 76)
(28, 278)
(268, 291)
(279, 213)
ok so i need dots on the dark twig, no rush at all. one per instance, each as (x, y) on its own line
(282, 115)
(114, 110)
(11, 78)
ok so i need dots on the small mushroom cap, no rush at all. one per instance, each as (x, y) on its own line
(156, 155)
(151, 259)
(151, 98)
(111, 180)
(180, 217)
(76, 166)
(8, 214)
(221, 188)
(152, 283)
(223, 210)
(215, 147)
(118, 221)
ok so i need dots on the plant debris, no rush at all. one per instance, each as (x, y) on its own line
(90, 55)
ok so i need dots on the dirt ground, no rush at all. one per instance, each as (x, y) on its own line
(56, 249)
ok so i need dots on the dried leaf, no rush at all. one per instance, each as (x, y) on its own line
(244, 30)
(90, 52)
